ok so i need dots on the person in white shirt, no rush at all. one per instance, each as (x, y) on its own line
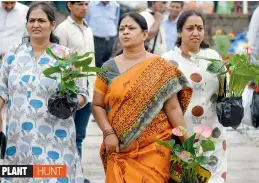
(74, 33)
(154, 17)
(253, 32)
(207, 89)
(170, 23)
(12, 24)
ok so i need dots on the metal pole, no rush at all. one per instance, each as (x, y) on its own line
(245, 7)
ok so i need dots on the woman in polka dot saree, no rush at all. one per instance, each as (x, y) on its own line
(206, 87)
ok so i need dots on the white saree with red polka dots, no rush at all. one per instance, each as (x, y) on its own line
(202, 108)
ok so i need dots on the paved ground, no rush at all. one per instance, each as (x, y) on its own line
(243, 155)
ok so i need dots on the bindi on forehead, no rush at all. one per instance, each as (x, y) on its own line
(195, 25)
(126, 25)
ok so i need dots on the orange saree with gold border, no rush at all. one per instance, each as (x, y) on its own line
(135, 99)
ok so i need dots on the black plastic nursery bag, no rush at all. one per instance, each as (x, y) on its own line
(230, 111)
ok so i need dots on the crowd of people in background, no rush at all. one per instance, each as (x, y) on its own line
(127, 45)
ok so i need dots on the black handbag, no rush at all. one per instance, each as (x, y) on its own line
(3, 141)
(255, 110)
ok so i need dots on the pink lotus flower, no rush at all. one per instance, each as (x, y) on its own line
(178, 131)
(185, 155)
(247, 47)
(60, 50)
(73, 68)
(203, 130)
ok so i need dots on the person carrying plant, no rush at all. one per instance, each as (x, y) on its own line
(206, 86)
(146, 97)
(35, 136)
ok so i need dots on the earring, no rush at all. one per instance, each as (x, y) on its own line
(179, 35)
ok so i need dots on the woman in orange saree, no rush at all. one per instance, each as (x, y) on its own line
(146, 96)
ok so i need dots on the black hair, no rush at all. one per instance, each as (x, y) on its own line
(179, 2)
(46, 7)
(72, 2)
(149, 4)
(139, 19)
(181, 21)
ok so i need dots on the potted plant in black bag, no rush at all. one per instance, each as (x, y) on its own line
(73, 66)
(189, 157)
(230, 110)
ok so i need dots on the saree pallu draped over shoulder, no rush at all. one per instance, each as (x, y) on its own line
(135, 99)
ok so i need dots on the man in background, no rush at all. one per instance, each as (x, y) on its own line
(170, 23)
(74, 33)
(103, 18)
(154, 17)
(253, 32)
(12, 25)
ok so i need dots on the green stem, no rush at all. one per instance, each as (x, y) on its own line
(189, 174)
(62, 90)
(198, 148)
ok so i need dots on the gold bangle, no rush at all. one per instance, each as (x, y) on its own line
(107, 135)
(108, 132)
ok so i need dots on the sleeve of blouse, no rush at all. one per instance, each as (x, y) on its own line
(101, 83)
(82, 89)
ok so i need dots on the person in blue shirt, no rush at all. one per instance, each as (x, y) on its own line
(103, 18)
(170, 23)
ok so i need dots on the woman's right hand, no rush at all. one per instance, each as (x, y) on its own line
(112, 144)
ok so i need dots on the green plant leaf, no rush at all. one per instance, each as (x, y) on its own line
(84, 55)
(188, 144)
(203, 160)
(207, 145)
(204, 58)
(93, 69)
(51, 70)
(192, 165)
(49, 51)
(70, 85)
(51, 77)
(171, 142)
(214, 67)
(73, 76)
(164, 143)
(177, 147)
(82, 63)
(174, 157)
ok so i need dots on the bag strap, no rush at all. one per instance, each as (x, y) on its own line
(155, 40)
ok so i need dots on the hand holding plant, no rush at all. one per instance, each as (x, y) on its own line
(191, 152)
(67, 70)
